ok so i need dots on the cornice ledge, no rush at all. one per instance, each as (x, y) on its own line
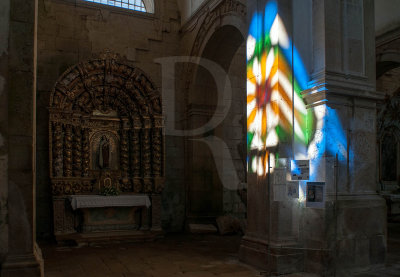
(319, 90)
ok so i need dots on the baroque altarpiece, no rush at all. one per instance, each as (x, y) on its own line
(106, 134)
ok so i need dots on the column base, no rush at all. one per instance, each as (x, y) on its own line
(354, 233)
(273, 260)
(156, 213)
(24, 265)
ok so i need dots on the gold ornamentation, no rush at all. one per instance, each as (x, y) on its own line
(68, 151)
(86, 153)
(124, 152)
(156, 151)
(135, 153)
(146, 152)
(108, 98)
(77, 152)
(57, 150)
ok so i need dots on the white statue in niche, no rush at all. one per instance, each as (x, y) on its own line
(104, 153)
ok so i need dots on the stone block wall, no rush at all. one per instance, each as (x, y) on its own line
(70, 32)
(215, 160)
(73, 31)
(17, 139)
(234, 134)
(388, 83)
(4, 32)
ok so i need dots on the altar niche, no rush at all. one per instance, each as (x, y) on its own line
(104, 151)
(105, 137)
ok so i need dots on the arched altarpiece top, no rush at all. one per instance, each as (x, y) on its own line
(106, 128)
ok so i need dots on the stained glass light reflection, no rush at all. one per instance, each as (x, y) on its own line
(276, 76)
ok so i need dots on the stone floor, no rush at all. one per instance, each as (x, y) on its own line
(178, 255)
(175, 255)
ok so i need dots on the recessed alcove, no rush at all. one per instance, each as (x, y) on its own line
(105, 138)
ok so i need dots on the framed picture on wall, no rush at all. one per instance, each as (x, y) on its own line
(315, 194)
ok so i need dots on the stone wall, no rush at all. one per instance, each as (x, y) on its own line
(18, 136)
(388, 83)
(388, 121)
(349, 230)
(68, 33)
(386, 15)
(188, 8)
(215, 159)
(4, 31)
(234, 134)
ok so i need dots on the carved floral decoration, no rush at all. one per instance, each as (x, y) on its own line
(105, 119)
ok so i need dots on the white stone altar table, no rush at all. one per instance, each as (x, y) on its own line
(98, 201)
(99, 219)
(111, 213)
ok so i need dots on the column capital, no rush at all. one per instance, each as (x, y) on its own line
(333, 85)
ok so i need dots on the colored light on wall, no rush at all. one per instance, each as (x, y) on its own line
(276, 111)
(275, 108)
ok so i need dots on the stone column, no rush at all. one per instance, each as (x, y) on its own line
(335, 40)
(351, 229)
(23, 257)
(4, 32)
(272, 240)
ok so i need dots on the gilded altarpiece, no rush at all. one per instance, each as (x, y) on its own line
(105, 130)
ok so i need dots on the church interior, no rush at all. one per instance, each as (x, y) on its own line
(199, 138)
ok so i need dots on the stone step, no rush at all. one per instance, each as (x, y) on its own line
(202, 228)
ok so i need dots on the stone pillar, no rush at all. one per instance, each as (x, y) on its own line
(352, 226)
(272, 240)
(4, 33)
(23, 257)
(335, 40)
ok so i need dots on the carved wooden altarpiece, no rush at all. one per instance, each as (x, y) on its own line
(106, 129)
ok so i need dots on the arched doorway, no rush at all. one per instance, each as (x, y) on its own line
(207, 196)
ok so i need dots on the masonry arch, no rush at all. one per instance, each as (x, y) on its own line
(387, 61)
(221, 41)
